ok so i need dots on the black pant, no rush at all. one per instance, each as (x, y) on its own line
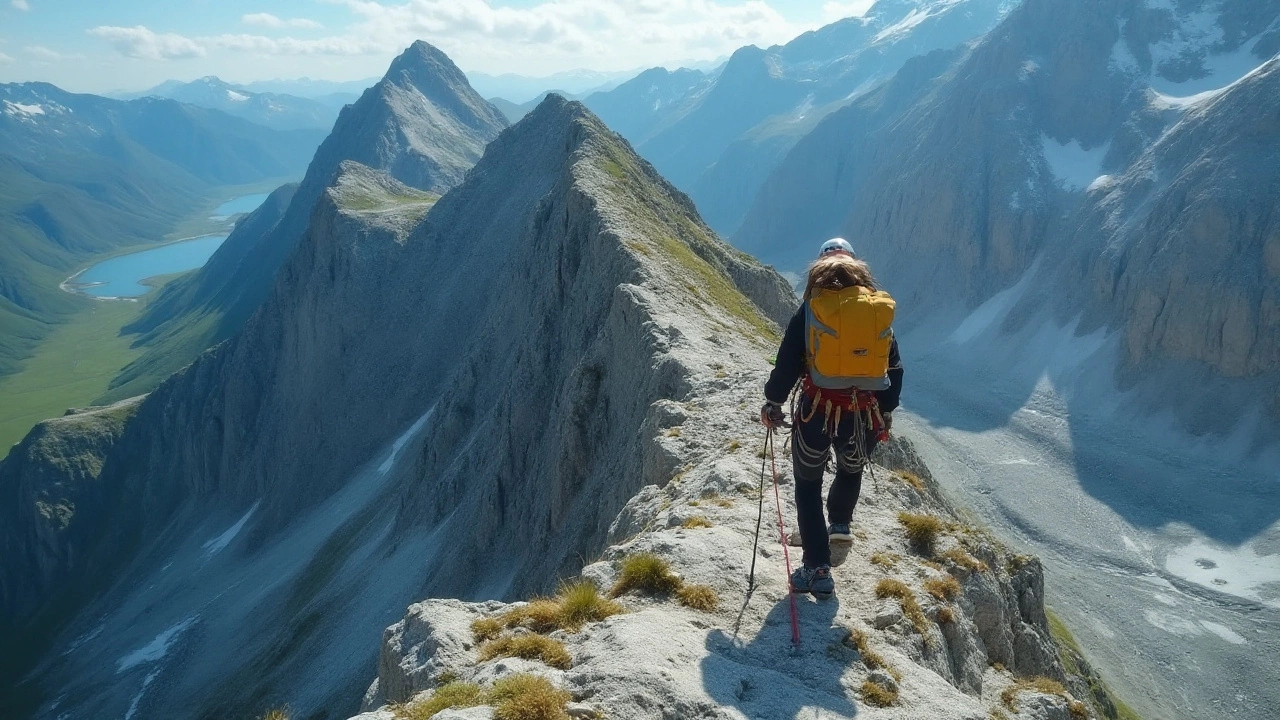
(811, 445)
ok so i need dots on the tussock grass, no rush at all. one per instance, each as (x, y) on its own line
(517, 697)
(723, 502)
(699, 597)
(1045, 686)
(922, 531)
(946, 615)
(576, 604)
(453, 695)
(276, 714)
(945, 589)
(878, 695)
(733, 445)
(581, 603)
(910, 478)
(673, 432)
(530, 647)
(697, 521)
(647, 573)
(960, 558)
(528, 697)
(857, 639)
(890, 588)
(887, 561)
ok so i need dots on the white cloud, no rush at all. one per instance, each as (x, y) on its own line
(547, 37)
(139, 42)
(20, 4)
(833, 11)
(560, 34)
(5, 59)
(41, 52)
(271, 21)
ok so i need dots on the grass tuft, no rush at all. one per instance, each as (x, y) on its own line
(276, 714)
(697, 521)
(887, 561)
(453, 695)
(910, 478)
(699, 597)
(922, 531)
(878, 695)
(945, 589)
(946, 615)
(890, 588)
(581, 603)
(1042, 685)
(528, 697)
(963, 559)
(870, 658)
(530, 647)
(647, 573)
(487, 628)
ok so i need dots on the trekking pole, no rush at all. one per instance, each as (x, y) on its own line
(782, 536)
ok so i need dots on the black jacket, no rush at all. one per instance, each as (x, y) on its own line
(792, 362)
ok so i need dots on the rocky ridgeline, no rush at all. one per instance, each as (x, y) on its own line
(962, 633)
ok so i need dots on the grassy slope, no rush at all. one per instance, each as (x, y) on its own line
(71, 367)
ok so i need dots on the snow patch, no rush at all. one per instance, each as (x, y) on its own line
(390, 462)
(234, 96)
(219, 543)
(1102, 182)
(137, 699)
(1173, 624)
(1241, 572)
(156, 649)
(1074, 166)
(1196, 33)
(1223, 632)
(990, 313)
(917, 15)
(1122, 58)
(13, 108)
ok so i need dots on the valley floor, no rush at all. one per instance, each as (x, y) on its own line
(71, 368)
(1177, 611)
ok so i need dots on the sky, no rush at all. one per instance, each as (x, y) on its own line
(105, 45)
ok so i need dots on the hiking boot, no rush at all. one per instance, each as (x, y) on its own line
(815, 581)
(841, 543)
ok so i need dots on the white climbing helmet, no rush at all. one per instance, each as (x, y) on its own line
(836, 245)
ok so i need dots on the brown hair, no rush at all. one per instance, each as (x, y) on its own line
(838, 271)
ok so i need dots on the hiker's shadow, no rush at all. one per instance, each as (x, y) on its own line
(767, 678)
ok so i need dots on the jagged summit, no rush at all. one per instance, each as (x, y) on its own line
(422, 124)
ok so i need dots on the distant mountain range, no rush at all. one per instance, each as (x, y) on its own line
(521, 89)
(82, 175)
(277, 110)
(719, 136)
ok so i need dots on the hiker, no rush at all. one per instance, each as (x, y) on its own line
(840, 347)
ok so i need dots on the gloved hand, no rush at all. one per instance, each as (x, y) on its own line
(771, 416)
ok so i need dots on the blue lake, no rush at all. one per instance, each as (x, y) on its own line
(244, 204)
(121, 276)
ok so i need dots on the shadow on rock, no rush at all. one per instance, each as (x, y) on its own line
(768, 678)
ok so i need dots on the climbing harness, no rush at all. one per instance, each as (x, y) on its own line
(836, 404)
(769, 453)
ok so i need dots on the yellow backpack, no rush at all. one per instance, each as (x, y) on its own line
(850, 332)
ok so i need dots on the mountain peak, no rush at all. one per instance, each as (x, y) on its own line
(421, 61)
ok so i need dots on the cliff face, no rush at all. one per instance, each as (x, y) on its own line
(428, 386)
(1104, 161)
